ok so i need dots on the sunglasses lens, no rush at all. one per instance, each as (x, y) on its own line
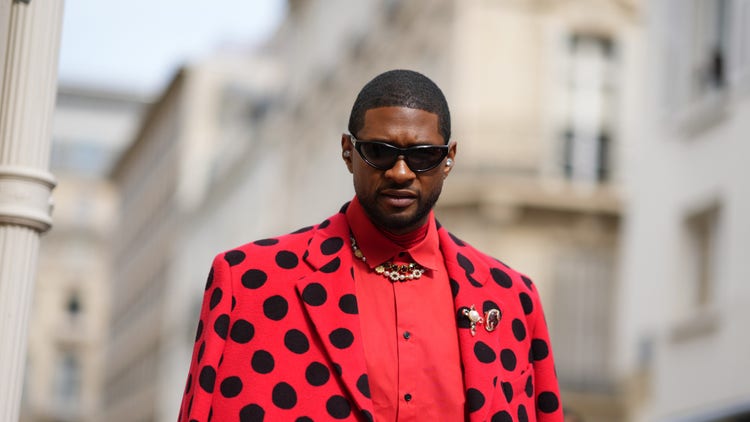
(380, 155)
(425, 158)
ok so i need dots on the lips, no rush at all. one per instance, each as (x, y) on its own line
(398, 198)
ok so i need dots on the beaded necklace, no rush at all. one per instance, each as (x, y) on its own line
(394, 272)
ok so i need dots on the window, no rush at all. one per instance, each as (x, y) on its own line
(700, 259)
(586, 139)
(73, 307)
(697, 274)
(68, 381)
(581, 318)
(709, 47)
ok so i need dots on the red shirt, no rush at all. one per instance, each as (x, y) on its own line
(408, 328)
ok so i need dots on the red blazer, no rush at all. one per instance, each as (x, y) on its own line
(279, 336)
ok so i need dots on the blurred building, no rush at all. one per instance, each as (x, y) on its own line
(685, 300)
(68, 325)
(549, 112)
(201, 126)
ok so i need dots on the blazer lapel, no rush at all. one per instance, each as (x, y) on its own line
(468, 276)
(328, 297)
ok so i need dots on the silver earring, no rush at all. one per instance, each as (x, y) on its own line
(449, 162)
(347, 154)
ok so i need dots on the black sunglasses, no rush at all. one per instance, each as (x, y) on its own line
(383, 156)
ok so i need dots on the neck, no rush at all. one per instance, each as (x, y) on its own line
(408, 239)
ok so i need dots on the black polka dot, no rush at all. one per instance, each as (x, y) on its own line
(286, 259)
(253, 279)
(474, 399)
(210, 414)
(234, 257)
(266, 242)
(527, 281)
(526, 303)
(242, 331)
(201, 350)
(507, 391)
(494, 382)
(262, 362)
(284, 396)
(539, 349)
(484, 353)
(508, 359)
(519, 329)
(465, 263)
(317, 374)
(529, 389)
(199, 331)
(314, 294)
(488, 304)
(252, 413)
(234, 302)
(231, 387)
(367, 415)
(501, 278)
(338, 407)
(331, 246)
(302, 230)
(324, 224)
(275, 308)
(210, 279)
(221, 325)
(523, 416)
(456, 240)
(189, 383)
(547, 402)
(502, 416)
(215, 298)
(304, 419)
(454, 287)
(348, 304)
(341, 338)
(296, 341)
(207, 378)
(332, 266)
(190, 404)
(363, 385)
(461, 320)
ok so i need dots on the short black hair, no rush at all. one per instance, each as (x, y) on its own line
(401, 88)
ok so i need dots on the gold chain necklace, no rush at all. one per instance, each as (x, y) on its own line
(394, 272)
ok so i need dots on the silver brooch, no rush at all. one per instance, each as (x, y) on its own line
(474, 318)
(491, 319)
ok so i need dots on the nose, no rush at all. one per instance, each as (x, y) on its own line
(400, 172)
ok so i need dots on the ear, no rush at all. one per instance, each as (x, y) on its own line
(347, 150)
(452, 157)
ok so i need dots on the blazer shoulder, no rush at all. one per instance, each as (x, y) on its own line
(498, 269)
(295, 242)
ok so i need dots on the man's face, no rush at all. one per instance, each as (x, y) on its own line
(397, 199)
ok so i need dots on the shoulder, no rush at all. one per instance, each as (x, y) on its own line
(472, 259)
(285, 250)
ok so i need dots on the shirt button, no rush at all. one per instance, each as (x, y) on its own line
(407, 397)
(407, 335)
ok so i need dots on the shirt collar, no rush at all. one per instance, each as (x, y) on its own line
(379, 249)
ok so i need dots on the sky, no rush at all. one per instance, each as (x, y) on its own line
(137, 45)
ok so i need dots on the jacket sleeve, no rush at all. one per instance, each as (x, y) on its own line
(209, 343)
(546, 389)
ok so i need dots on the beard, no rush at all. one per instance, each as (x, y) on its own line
(403, 221)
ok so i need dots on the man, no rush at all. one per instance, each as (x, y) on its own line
(377, 313)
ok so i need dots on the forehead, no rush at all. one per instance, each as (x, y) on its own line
(401, 124)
